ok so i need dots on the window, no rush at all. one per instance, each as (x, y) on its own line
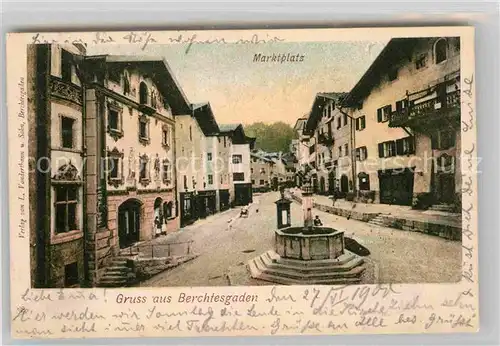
(393, 74)
(340, 151)
(66, 208)
(164, 136)
(361, 153)
(114, 163)
(261, 182)
(209, 156)
(345, 119)
(66, 66)
(143, 130)
(262, 171)
(339, 123)
(144, 137)
(421, 61)
(67, 132)
(364, 181)
(405, 146)
(210, 179)
(224, 141)
(185, 182)
(251, 170)
(237, 159)
(443, 140)
(71, 275)
(190, 133)
(387, 149)
(238, 176)
(346, 149)
(360, 123)
(115, 75)
(113, 120)
(167, 172)
(143, 93)
(440, 50)
(384, 113)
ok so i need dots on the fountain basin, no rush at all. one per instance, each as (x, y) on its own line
(316, 243)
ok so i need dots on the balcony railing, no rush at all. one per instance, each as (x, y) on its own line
(426, 112)
(325, 139)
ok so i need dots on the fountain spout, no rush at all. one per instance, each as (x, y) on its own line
(307, 206)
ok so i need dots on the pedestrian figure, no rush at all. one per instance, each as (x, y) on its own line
(317, 221)
(158, 226)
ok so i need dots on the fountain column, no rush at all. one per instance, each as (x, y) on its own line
(307, 205)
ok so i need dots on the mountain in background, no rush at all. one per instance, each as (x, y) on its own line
(273, 137)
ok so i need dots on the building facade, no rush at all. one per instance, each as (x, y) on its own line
(261, 172)
(408, 123)
(329, 137)
(240, 163)
(104, 127)
(191, 152)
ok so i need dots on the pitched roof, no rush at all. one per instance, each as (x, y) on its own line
(228, 127)
(160, 72)
(320, 101)
(396, 49)
(204, 115)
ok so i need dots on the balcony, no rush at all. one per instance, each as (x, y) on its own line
(325, 139)
(65, 90)
(147, 109)
(429, 114)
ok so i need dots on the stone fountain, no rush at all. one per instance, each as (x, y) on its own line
(308, 255)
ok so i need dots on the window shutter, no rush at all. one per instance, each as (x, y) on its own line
(366, 152)
(358, 154)
(393, 148)
(412, 144)
(379, 115)
(399, 147)
(381, 150)
(363, 122)
(357, 124)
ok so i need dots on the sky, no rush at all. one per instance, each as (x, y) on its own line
(243, 91)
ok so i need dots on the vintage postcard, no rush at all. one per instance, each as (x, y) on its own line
(242, 182)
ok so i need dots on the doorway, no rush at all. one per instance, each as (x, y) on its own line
(344, 184)
(446, 188)
(129, 222)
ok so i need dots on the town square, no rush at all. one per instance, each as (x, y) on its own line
(157, 171)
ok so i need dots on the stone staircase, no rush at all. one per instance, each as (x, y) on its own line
(118, 273)
(442, 207)
(378, 220)
(269, 266)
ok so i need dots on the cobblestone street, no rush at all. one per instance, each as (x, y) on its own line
(226, 242)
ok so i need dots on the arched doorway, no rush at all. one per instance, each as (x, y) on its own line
(322, 187)
(331, 182)
(129, 222)
(344, 183)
